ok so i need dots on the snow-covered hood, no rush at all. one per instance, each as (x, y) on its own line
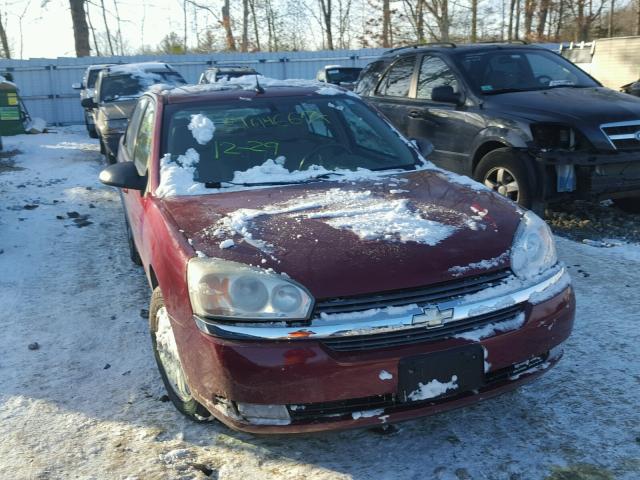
(350, 238)
(118, 110)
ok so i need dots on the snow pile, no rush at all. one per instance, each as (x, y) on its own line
(384, 375)
(385, 312)
(329, 91)
(493, 328)
(176, 176)
(433, 389)
(367, 413)
(228, 243)
(274, 171)
(202, 128)
(482, 264)
(368, 217)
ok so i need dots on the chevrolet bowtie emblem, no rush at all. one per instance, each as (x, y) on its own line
(433, 317)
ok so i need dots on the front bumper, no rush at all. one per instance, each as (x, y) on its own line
(599, 174)
(327, 389)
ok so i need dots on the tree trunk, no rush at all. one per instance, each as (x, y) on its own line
(444, 23)
(559, 25)
(119, 30)
(638, 18)
(512, 8)
(244, 45)
(420, 21)
(326, 16)
(543, 12)
(517, 31)
(80, 30)
(226, 23)
(474, 20)
(529, 10)
(610, 27)
(256, 32)
(386, 24)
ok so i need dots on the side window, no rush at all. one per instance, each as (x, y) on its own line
(132, 127)
(363, 134)
(397, 81)
(369, 78)
(144, 139)
(434, 73)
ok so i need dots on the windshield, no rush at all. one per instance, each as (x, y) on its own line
(500, 71)
(294, 133)
(93, 76)
(129, 85)
(346, 75)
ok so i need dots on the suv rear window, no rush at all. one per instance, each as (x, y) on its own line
(127, 85)
(328, 131)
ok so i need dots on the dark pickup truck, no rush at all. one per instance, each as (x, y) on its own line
(520, 119)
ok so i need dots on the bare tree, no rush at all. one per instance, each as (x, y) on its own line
(93, 33)
(415, 10)
(585, 16)
(20, 19)
(439, 9)
(226, 23)
(474, 21)
(610, 26)
(119, 30)
(80, 29)
(327, 12)
(543, 13)
(252, 6)
(106, 27)
(386, 24)
(529, 10)
(244, 44)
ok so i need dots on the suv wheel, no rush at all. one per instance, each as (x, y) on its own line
(502, 172)
(168, 360)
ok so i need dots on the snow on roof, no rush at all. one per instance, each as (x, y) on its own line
(139, 68)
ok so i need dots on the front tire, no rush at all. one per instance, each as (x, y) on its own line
(168, 361)
(504, 173)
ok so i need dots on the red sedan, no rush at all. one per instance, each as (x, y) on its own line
(311, 271)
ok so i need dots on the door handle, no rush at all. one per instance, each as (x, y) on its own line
(415, 114)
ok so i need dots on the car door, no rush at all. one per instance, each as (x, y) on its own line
(392, 95)
(450, 127)
(137, 146)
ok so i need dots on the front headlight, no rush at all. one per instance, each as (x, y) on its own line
(534, 249)
(219, 288)
(553, 136)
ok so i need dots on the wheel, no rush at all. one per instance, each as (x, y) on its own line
(501, 171)
(168, 361)
(133, 251)
(631, 204)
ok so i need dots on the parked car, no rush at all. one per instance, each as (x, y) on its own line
(215, 74)
(116, 92)
(346, 77)
(632, 88)
(87, 90)
(520, 119)
(311, 271)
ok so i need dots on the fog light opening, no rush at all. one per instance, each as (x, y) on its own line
(259, 414)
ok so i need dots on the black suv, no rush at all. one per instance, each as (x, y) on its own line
(520, 119)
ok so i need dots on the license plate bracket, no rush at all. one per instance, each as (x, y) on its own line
(465, 363)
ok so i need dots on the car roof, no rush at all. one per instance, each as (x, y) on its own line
(138, 67)
(455, 48)
(234, 90)
(99, 67)
(231, 67)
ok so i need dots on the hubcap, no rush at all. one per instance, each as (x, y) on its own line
(168, 353)
(501, 180)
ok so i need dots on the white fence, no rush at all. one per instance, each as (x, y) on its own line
(45, 84)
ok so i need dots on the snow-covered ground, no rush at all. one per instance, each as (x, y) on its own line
(87, 402)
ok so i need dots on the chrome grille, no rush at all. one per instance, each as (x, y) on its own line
(411, 336)
(623, 135)
(440, 292)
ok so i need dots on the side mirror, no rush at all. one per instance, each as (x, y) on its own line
(88, 103)
(76, 86)
(445, 94)
(123, 175)
(424, 146)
